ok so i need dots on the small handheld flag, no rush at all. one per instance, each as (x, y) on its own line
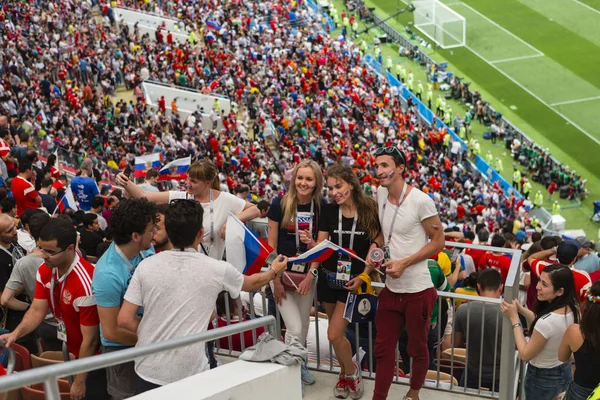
(244, 250)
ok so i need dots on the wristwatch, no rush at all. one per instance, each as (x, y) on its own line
(314, 272)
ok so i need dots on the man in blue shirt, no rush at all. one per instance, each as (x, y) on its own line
(587, 259)
(133, 223)
(84, 186)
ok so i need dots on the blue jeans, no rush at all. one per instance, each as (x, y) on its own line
(578, 392)
(547, 383)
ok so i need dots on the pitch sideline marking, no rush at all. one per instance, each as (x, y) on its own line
(502, 28)
(516, 58)
(560, 103)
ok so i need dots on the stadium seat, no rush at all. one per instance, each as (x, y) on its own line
(36, 392)
(460, 354)
(446, 365)
(433, 376)
(48, 358)
(23, 358)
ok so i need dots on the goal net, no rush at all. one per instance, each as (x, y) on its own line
(440, 23)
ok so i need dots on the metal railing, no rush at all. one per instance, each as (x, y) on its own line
(505, 376)
(49, 374)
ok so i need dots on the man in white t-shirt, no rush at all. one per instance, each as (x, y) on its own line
(412, 232)
(178, 290)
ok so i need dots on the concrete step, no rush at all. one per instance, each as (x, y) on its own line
(323, 390)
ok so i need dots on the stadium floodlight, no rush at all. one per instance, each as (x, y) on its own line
(440, 23)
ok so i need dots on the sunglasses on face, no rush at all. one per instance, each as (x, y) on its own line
(389, 150)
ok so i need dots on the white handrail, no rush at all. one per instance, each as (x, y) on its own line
(49, 374)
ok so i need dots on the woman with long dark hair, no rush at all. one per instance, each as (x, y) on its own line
(583, 342)
(556, 308)
(350, 221)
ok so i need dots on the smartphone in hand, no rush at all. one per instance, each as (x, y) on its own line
(128, 172)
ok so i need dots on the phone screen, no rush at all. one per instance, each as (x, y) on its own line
(127, 171)
(455, 254)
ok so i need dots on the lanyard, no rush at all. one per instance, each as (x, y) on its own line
(389, 238)
(310, 226)
(6, 251)
(125, 259)
(12, 253)
(52, 301)
(212, 219)
(340, 217)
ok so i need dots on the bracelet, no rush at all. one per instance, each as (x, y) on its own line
(516, 325)
(274, 270)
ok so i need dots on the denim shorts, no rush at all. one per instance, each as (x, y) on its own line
(578, 392)
(547, 383)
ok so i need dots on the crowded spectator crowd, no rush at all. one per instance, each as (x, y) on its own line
(315, 141)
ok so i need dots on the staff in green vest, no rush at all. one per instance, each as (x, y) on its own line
(539, 199)
(429, 95)
(399, 72)
(526, 188)
(555, 208)
(516, 179)
(499, 166)
(419, 90)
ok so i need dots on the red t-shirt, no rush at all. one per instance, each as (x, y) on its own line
(476, 255)
(582, 278)
(501, 263)
(4, 151)
(75, 303)
(24, 192)
(236, 343)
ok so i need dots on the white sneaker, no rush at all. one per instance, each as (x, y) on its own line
(355, 384)
(341, 390)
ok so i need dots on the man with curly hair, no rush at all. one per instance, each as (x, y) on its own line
(133, 223)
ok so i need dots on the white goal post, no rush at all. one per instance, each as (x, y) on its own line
(440, 23)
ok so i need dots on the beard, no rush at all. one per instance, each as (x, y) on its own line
(161, 245)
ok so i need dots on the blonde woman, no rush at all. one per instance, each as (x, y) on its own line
(203, 186)
(292, 229)
(351, 222)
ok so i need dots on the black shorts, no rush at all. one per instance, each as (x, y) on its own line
(326, 294)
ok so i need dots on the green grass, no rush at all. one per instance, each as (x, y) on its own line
(592, 3)
(571, 15)
(539, 122)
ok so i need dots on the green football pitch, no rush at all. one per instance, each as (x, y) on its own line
(535, 61)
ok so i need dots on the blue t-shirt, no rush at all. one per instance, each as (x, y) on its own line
(84, 190)
(111, 279)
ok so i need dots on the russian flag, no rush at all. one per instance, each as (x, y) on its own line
(67, 201)
(319, 253)
(213, 25)
(145, 162)
(175, 170)
(244, 250)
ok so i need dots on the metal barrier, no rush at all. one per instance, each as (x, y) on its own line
(505, 377)
(49, 374)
